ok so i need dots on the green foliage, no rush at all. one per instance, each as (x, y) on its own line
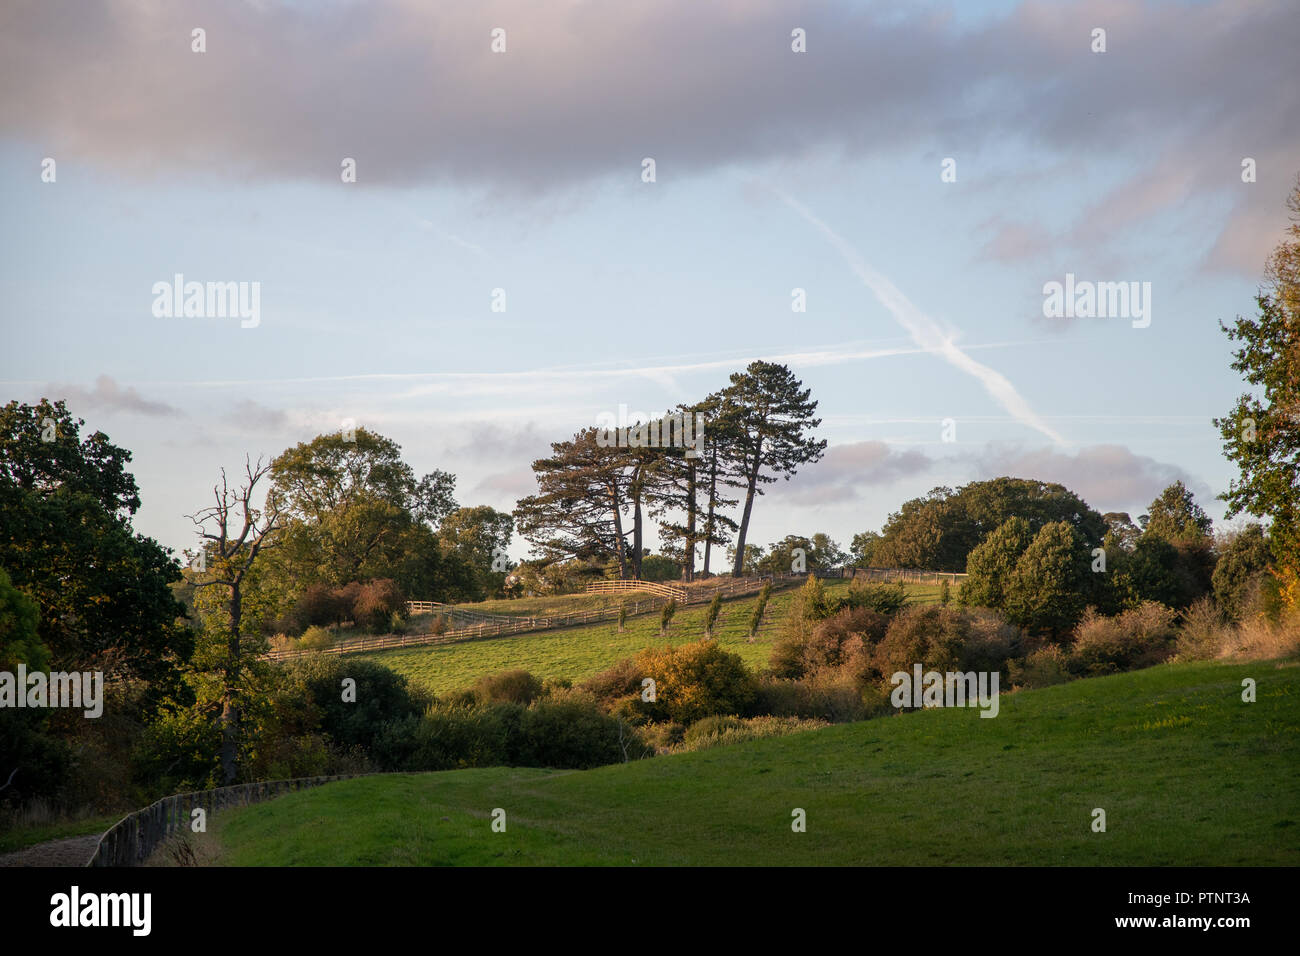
(992, 564)
(862, 549)
(939, 531)
(658, 567)
(515, 686)
(20, 643)
(1045, 667)
(101, 590)
(1046, 592)
(622, 616)
(666, 615)
(876, 595)
(946, 639)
(1261, 433)
(760, 606)
(711, 615)
(1240, 570)
(945, 592)
(1175, 516)
(380, 696)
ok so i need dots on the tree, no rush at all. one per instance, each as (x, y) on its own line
(1241, 569)
(479, 536)
(1175, 516)
(992, 565)
(101, 590)
(774, 417)
(583, 489)
(939, 531)
(1046, 591)
(239, 533)
(863, 548)
(1261, 433)
(1121, 532)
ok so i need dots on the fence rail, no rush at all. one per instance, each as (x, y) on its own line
(475, 625)
(134, 838)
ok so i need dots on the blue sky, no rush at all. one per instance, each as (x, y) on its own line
(522, 171)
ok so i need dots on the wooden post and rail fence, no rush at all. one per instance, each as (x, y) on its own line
(465, 625)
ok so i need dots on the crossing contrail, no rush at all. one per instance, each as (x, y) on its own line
(925, 331)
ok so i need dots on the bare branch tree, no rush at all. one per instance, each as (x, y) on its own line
(235, 533)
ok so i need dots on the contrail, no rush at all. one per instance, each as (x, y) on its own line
(925, 331)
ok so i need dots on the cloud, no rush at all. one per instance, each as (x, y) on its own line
(254, 416)
(108, 396)
(1108, 477)
(413, 92)
(514, 484)
(846, 469)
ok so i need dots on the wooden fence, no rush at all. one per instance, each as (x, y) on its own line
(133, 839)
(477, 626)
(654, 587)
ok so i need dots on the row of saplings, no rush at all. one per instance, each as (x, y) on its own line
(831, 664)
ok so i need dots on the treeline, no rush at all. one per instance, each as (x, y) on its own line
(598, 491)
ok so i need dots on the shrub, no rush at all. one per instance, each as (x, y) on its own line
(513, 686)
(829, 696)
(882, 598)
(318, 606)
(376, 602)
(721, 731)
(569, 730)
(666, 616)
(696, 680)
(615, 683)
(438, 625)
(1139, 637)
(1239, 571)
(316, 639)
(846, 638)
(622, 616)
(1045, 667)
(711, 615)
(945, 592)
(760, 606)
(1202, 632)
(381, 696)
(991, 643)
(930, 636)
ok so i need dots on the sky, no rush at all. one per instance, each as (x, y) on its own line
(501, 273)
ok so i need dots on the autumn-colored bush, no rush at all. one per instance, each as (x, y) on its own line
(1139, 637)
(696, 680)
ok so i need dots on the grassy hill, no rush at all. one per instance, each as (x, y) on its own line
(1187, 773)
(576, 653)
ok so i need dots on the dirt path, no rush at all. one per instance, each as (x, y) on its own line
(75, 851)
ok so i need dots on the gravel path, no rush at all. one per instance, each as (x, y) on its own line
(75, 851)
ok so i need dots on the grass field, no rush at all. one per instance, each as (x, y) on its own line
(576, 653)
(25, 836)
(1187, 773)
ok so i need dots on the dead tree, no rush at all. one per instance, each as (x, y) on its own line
(235, 533)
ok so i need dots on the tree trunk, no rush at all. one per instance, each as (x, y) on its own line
(708, 521)
(749, 505)
(229, 702)
(690, 522)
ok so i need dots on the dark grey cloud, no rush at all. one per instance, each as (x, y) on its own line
(413, 92)
(108, 396)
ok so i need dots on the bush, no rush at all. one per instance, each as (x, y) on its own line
(930, 636)
(882, 598)
(319, 606)
(1139, 637)
(696, 680)
(381, 695)
(720, 731)
(316, 639)
(760, 606)
(1202, 632)
(569, 730)
(846, 637)
(615, 683)
(828, 696)
(1045, 667)
(376, 603)
(512, 686)
(711, 615)
(666, 616)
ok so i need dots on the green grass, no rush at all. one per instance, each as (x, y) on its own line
(1187, 773)
(22, 837)
(576, 653)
